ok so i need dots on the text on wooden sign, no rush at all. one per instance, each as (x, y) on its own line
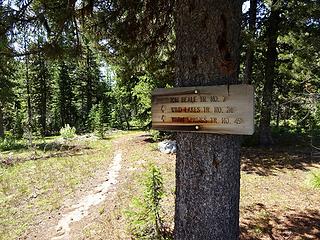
(211, 109)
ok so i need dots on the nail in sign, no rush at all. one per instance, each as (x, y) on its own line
(210, 109)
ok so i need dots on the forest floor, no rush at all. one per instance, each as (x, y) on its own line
(40, 188)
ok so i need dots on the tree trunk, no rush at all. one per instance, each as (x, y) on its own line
(278, 115)
(89, 84)
(250, 50)
(29, 109)
(1, 122)
(43, 110)
(208, 165)
(271, 58)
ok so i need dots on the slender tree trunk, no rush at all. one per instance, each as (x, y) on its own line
(89, 95)
(29, 102)
(278, 114)
(271, 58)
(44, 106)
(250, 50)
(1, 122)
(208, 165)
(126, 118)
(89, 89)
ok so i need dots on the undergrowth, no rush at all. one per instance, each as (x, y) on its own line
(145, 214)
(34, 187)
(10, 143)
(314, 179)
(68, 132)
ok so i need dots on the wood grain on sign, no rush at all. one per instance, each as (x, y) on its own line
(210, 109)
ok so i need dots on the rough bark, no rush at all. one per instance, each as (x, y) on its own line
(1, 122)
(207, 167)
(250, 50)
(271, 58)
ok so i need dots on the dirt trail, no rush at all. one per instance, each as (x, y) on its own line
(81, 209)
(67, 223)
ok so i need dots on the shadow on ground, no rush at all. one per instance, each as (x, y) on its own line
(258, 222)
(266, 162)
(44, 151)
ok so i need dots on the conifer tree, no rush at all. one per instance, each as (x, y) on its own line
(41, 84)
(67, 109)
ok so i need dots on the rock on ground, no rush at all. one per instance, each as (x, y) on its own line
(168, 146)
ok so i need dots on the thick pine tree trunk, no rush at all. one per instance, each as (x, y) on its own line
(271, 58)
(1, 122)
(250, 50)
(208, 165)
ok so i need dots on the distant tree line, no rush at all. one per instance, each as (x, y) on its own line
(85, 62)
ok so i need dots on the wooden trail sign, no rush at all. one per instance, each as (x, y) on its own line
(211, 109)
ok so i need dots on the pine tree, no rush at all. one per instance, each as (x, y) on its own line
(88, 82)
(6, 80)
(250, 49)
(208, 165)
(41, 84)
(272, 33)
(67, 109)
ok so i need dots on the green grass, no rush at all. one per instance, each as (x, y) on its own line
(34, 188)
(137, 156)
(314, 179)
(31, 187)
(272, 188)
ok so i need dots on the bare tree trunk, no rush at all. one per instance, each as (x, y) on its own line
(278, 114)
(250, 50)
(89, 83)
(272, 55)
(29, 102)
(208, 165)
(1, 122)
(43, 110)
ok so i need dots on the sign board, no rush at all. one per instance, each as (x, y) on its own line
(218, 109)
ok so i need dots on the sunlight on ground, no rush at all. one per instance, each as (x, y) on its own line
(277, 199)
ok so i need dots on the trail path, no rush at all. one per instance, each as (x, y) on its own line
(67, 223)
(81, 209)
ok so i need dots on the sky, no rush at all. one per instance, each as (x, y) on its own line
(245, 6)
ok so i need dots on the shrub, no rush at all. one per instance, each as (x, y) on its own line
(145, 214)
(96, 120)
(315, 179)
(9, 142)
(155, 135)
(68, 132)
